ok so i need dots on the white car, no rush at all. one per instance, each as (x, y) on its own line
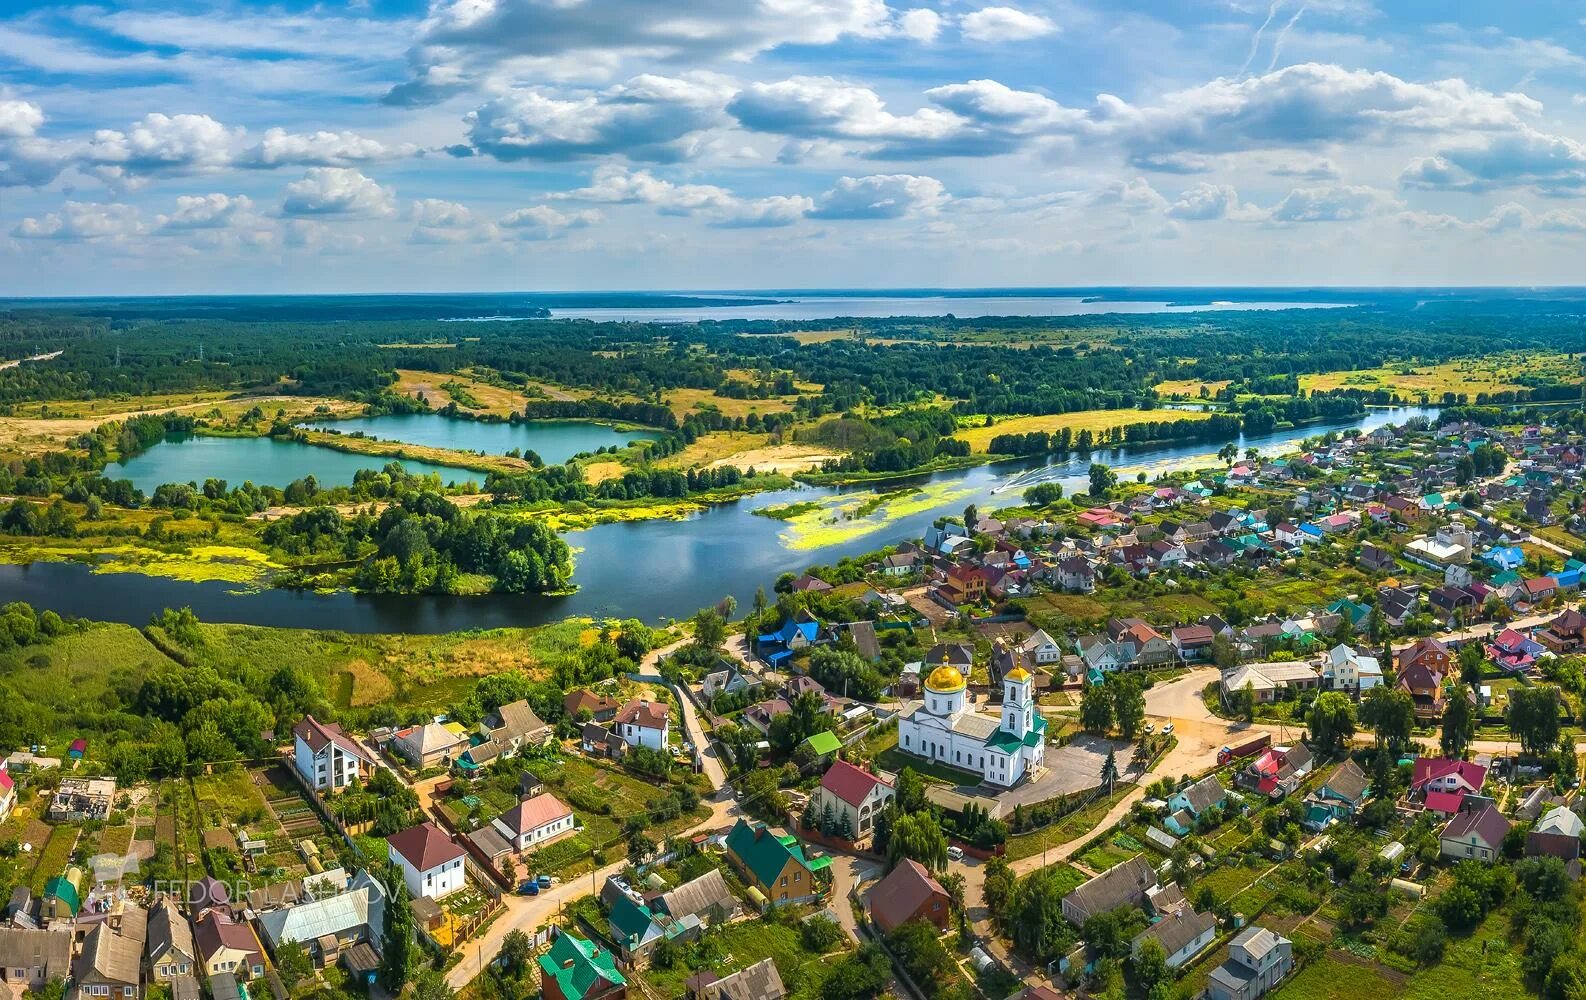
(1167, 730)
(955, 853)
(1149, 728)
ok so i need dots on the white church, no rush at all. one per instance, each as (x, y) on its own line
(1001, 751)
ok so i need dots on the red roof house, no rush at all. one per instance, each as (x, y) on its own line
(908, 893)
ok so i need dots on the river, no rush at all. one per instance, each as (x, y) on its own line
(798, 307)
(642, 569)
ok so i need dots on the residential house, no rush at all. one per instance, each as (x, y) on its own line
(1151, 647)
(1339, 797)
(1422, 667)
(958, 655)
(576, 969)
(1443, 783)
(1515, 652)
(908, 893)
(30, 958)
(1124, 884)
(331, 923)
(705, 898)
(644, 723)
(1040, 648)
(110, 963)
(1187, 805)
(760, 715)
(799, 632)
(1539, 589)
(225, 946)
(8, 795)
(430, 745)
(1269, 681)
(328, 758)
(900, 563)
(1375, 559)
(760, 981)
(774, 865)
(1566, 633)
(1474, 834)
(728, 680)
(601, 708)
(1076, 575)
(1345, 668)
(168, 945)
(598, 741)
(1257, 961)
(1104, 656)
(1557, 834)
(965, 584)
(1193, 642)
(807, 584)
(534, 822)
(431, 862)
(515, 726)
(1181, 932)
(854, 796)
(1276, 771)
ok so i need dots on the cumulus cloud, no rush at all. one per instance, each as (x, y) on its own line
(1134, 195)
(1004, 24)
(1205, 201)
(206, 211)
(881, 196)
(976, 118)
(19, 119)
(718, 206)
(82, 222)
(648, 118)
(337, 191)
(162, 144)
(280, 148)
(1332, 203)
(1303, 105)
(465, 42)
(1551, 164)
(542, 222)
(921, 24)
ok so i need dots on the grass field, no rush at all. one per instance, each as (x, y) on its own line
(746, 451)
(741, 945)
(1190, 387)
(1498, 373)
(493, 399)
(1071, 827)
(686, 401)
(51, 426)
(1095, 421)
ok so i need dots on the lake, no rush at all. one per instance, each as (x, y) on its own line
(264, 461)
(642, 569)
(555, 441)
(832, 306)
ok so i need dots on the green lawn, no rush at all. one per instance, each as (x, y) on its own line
(740, 945)
(54, 856)
(1071, 827)
(896, 760)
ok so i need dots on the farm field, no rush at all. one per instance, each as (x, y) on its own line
(686, 401)
(1497, 373)
(1095, 421)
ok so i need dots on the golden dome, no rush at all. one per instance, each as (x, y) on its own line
(1018, 674)
(945, 680)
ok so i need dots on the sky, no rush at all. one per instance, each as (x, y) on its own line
(457, 145)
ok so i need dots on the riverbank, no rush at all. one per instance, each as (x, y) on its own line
(399, 451)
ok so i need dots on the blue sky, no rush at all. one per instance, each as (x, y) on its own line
(584, 144)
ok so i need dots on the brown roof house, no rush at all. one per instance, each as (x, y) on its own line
(644, 723)
(908, 893)
(1475, 833)
(225, 946)
(535, 822)
(111, 963)
(514, 726)
(601, 708)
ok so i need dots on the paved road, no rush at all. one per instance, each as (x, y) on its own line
(691, 726)
(529, 913)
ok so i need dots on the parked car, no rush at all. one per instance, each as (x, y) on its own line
(955, 853)
(529, 888)
(1167, 730)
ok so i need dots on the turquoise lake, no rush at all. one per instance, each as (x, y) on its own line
(555, 441)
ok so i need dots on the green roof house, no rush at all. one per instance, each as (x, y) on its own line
(61, 899)
(775, 866)
(575, 969)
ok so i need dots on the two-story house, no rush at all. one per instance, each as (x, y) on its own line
(644, 723)
(1258, 959)
(431, 862)
(775, 866)
(854, 795)
(328, 758)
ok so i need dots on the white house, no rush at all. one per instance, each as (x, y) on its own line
(534, 821)
(854, 795)
(644, 723)
(1477, 834)
(1076, 574)
(8, 794)
(1041, 648)
(1182, 933)
(326, 757)
(431, 862)
(1001, 751)
(1345, 668)
(1258, 960)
